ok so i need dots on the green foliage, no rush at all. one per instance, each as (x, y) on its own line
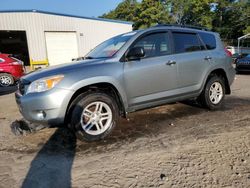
(151, 12)
(191, 12)
(228, 17)
(231, 18)
(127, 11)
(247, 30)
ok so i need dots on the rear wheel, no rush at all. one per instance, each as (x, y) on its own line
(6, 80)
(94, 115)
(213, 94)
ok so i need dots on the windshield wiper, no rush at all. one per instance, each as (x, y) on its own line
(88, 57)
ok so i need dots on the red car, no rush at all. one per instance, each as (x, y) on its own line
(11, 69)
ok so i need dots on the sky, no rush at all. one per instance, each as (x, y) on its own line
(89, 8)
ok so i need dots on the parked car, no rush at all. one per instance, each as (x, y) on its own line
(132, 71)
(243, 64)
(237, 56)
(11, 69)
(241, 50)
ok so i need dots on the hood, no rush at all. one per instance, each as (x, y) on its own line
(61, 69)
(244, 59)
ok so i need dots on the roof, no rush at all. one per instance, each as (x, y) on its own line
(67, 15)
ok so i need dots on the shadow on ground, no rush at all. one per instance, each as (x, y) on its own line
(7, 90)
(53, 163)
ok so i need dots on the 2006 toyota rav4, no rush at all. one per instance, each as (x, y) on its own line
(129, 72)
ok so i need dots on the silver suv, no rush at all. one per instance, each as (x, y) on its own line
(133, 71)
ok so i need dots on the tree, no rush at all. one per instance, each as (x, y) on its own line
(228, 17)
(151, 12)
(191, 12)
(231, 18)
(126, 10)
(247, 30)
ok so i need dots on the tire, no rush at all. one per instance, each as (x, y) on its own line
(213, 94)
(6, 80)
(93, 116)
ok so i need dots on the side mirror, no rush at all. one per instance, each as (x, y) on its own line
(135, 53)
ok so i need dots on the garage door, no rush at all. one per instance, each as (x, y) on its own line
(61, 47)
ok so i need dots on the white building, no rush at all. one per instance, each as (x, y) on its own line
(35, 35)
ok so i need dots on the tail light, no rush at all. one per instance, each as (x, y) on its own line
(229, 54)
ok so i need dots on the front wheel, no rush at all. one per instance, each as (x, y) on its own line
(213, 94)
(94, 115)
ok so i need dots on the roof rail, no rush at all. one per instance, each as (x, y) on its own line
(183, 26)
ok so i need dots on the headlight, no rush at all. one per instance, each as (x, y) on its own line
(44, 84)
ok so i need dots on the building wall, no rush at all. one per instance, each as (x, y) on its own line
(89, 32)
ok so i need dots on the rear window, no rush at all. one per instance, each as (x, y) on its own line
(186, 42)
(209, 40)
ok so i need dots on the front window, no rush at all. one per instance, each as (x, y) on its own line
(154, 44)
(110, 47)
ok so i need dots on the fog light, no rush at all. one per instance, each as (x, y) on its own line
(41, 115)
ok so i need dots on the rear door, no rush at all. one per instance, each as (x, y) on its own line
(192, 60)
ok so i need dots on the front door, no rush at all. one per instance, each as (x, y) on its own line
(152, 77)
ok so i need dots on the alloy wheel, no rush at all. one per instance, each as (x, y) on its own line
(5, 80)
(96, 118)
(215, 92)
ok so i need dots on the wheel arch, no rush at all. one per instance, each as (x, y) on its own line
(105, 87)
(221, 73)
(4, 72)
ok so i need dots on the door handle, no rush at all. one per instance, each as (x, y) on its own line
(170, 63)
(208, 58)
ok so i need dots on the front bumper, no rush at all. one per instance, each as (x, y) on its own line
(243, 67)
(47, 108)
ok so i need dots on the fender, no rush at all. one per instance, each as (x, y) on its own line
(213, 68)
(103, 79)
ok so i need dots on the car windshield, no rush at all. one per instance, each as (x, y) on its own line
(109, 47)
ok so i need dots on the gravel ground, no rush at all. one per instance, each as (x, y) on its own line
(175, 145)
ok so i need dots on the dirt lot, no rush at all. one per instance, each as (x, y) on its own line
(171, 146)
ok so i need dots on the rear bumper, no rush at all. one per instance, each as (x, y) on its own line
(47, 108)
